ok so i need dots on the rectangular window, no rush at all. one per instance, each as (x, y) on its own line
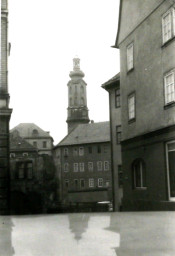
(118, 134)
(120, 176)
(130, 56)
(91, 183)
(66, 151)
(81, 166)
(107, 183)
(35, 144)
(75, 167)
(75, 151)
(29, 170)
(99, 166)
(81, 151)
(66, 167)
(21, 168)
(99, 149)
(131, 106)
(90, 166)
(66, 183)
(76, 183)
(82, 183)
(100, 182)
(90, 150)
(139, 174)
(117, 98)
(44, 144)
(168, 25)
(106, 166)
(12, 155)
(169, 87)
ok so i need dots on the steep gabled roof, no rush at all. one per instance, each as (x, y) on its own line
(17, 143)
(87, 133)
(26, 130)
(113, 81)
(131, 14)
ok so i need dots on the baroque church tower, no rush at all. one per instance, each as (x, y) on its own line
(77, 99)
(5, 112)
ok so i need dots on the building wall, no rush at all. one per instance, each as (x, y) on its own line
(93, 157)
(151, 61)
(40, 147)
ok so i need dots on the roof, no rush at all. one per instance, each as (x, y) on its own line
(19, 144)
(111, 81)
(87, 133)
(26, 130)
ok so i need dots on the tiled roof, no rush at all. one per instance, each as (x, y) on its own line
(26, 130)
(88, 133)
(112, 80)
(19, 144)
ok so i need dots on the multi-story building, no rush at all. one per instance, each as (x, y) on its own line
(113, 88)
(146, 34)
(36, 137)
(5, 112)
(33, 182)
(85, 164)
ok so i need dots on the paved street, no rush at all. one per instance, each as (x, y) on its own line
(95, 234)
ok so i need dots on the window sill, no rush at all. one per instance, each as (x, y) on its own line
(168, 42)
(130, 71)
(169, 105)
(131, 121)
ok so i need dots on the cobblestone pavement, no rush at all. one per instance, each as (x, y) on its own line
(95, 234)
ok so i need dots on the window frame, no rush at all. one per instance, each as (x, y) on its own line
(130, 67)
(100, 180)
(92, 166)
(81, 167)
(106, 168)
(171, 72)
(44, 144)
(82, 180)
(66, 183)
(99, 168)
(142, 174)
(65, 151)
(170, 12)
(118, 134)
(117, 98)
(66, 167)
(76, 167)
(130, 118)
(91, 183)
(81, 151)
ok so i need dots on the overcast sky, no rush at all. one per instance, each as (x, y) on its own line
(45, 37)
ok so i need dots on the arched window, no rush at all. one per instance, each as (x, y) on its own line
(139, 174)
(35, 132)
(70, 101)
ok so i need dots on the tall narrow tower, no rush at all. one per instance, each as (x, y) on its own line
(5, 112)
(77, 99)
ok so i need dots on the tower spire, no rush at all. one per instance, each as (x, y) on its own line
(77, 99)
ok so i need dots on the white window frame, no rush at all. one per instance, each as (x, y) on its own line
(100, 182)
(90, 166)
(81, 167)
(75, 167)
(130, 56)
(99, 166)
(141, 169)
(106, 165)
(81, 151)
(171, 13)
(131, 106)
(91, 183)
(169, 88)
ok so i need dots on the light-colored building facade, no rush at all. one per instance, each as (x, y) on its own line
(145, 38)
(5, 112)
(36, 137)
(113, 88)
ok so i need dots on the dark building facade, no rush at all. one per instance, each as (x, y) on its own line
(5, 112)
(145, 38)
(85, 164)
(113, 88)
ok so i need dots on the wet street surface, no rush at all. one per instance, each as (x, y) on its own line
(91, 234)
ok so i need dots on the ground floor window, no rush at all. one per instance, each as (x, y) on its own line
(91, 183)
(100, 182)
(139, 174)
(171, 168)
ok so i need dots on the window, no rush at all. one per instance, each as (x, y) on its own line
(21, 168)
(82, 183)
(30, 170)
(99, 149)
(90, 166)
(12, 155)
(117, 98)
(118, 134)
(131, 106)
(24, 170)
(168, 25)
(100, 182)
(90, 150)
(66, 183)
(91, 183)
(25, 154)
(130, 58)
(35, 144)
(35, 132)
(75, 152)
(81, 165)
(66, 167)
(120, 176)
(81, 151)
(99, 166)
(139, 174)
(169, 87)
(44, 144)
(107, 183)
(75, 167)
(76, 183)
(66, 151)
(106, 166)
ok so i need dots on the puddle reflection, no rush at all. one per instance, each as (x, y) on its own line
(78, 224)
(6, 226)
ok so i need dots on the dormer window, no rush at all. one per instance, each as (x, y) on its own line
(35, 132)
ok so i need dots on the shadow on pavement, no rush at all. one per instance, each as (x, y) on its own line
(78, 224)
(6, 225)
